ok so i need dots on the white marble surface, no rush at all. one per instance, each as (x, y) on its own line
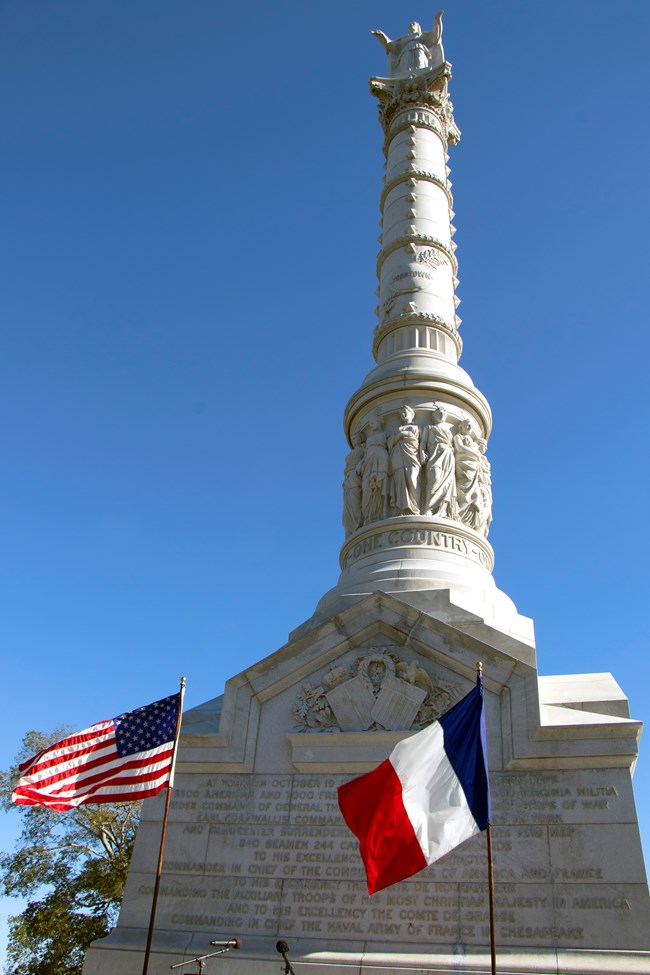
(257, 848)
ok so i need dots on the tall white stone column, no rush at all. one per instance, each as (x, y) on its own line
(256, 844)
(417, 501)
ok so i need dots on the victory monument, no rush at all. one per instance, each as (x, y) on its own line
(256, 846)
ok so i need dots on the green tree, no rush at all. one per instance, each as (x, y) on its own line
(71, 867)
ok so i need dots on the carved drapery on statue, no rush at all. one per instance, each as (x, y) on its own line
(415, 52)
(468, 462)
(438, 459)
(374, 476)
(437, 469)
(352, 487)
(485, 485)
(404, 464)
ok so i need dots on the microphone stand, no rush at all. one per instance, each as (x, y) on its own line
(283, 948)
(200, 959)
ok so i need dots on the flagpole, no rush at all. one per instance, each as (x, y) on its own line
(488, 836)
(493, 950)
(163, 834)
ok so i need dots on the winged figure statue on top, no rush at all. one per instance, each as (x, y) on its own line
(416, 52)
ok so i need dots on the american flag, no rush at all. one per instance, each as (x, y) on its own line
(120, 760)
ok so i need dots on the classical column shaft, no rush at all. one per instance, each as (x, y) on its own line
(416, 266)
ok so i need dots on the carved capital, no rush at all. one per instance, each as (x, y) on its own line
(427, 90)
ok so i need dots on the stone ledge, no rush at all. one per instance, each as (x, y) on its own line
(258, 956)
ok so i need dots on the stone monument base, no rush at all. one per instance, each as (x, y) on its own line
(257, 848)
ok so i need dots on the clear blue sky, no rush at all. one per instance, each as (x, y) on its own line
(189, 202)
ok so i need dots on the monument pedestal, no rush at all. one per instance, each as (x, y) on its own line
(257, 848)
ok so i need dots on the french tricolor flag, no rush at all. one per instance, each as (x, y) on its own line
(430, 794)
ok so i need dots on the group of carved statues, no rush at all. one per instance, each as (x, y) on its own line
(432, 470)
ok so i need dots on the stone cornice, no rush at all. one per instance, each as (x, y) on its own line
(423, 385)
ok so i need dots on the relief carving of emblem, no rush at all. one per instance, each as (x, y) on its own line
(433, 257)
(378, 691)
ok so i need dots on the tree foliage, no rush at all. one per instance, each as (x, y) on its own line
(71, 868)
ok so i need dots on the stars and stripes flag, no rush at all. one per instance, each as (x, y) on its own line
(125, 758)
(429, 795)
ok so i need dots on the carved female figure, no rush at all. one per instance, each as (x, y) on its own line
(485, 486)
(374, 474)
(404, 446)
(352, 486)
(415, 51)
(437, 454)
(468, 462)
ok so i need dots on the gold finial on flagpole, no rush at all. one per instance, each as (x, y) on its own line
(479, 668)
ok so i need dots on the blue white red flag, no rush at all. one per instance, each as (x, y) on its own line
(429, 795)
(125, 758)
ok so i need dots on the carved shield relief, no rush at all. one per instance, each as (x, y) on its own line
(376, 691)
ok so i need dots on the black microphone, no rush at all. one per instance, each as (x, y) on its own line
(233, 943)
(283, 948)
